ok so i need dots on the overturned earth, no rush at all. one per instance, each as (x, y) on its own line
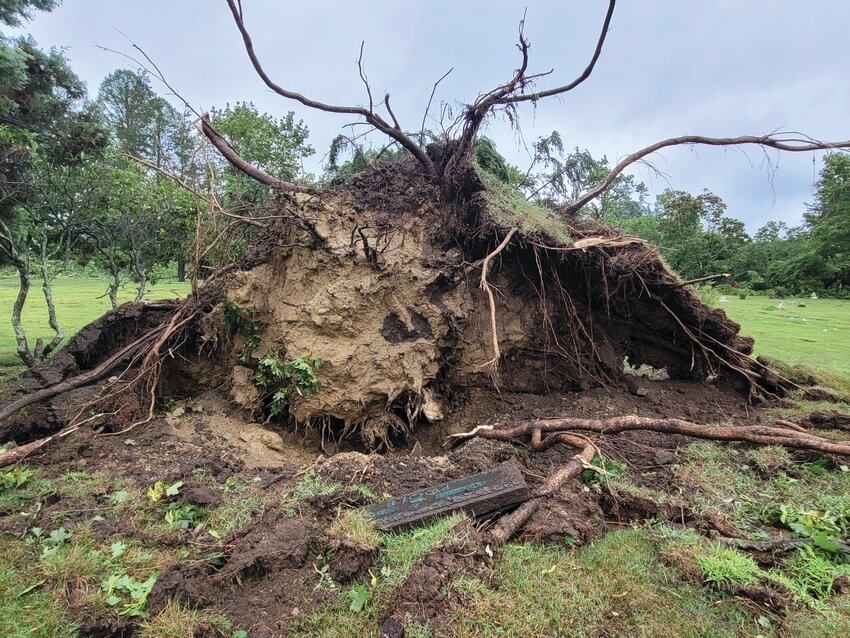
(379, 321)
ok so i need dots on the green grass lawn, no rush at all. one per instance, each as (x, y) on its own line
(77, 304)
(814, 333)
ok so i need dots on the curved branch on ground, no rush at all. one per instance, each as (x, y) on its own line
(544, 433)
(790, 142)
(759, 434)
(368, 114)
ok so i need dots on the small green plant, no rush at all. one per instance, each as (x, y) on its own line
(120, 583)
(365, 491)
(14, 478)
(359, 595)
(179, 516)
(160, 491)
(118, 498)
(50, 543)
(277, 378)
(609, 469)
(822, 526)
(322, 568)
(242, 320)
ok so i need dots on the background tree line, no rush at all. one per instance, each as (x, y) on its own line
(696, 235)
(105, 181)
(122, 182)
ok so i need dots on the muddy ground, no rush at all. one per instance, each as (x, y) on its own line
(267, 573)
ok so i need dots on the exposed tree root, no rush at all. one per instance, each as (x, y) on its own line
(544, 433)
(485, 267)
(83, 379)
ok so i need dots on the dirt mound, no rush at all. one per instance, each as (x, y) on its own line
(395, 306)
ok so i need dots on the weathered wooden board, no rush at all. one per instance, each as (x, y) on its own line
(478, 494)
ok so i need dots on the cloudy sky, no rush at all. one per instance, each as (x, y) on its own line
(670, 67)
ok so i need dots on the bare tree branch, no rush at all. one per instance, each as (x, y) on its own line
(533, 97)
(428, 107)
(782, 141)
(249, 169)
(510, 93)
(371, 117)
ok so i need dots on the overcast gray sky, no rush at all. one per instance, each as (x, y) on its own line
(670, 67)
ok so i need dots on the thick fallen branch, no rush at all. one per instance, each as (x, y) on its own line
(544, 433)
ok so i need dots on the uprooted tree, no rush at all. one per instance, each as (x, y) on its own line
(367, 308)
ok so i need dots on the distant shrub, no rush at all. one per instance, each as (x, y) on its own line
(780, 293)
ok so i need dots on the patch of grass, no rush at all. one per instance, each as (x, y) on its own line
(177, 621)
(357, 527)
(801, 407)
(723, 566)
(715, 476)
(616, 585)
(513, 209)
(400, 552)
(27, 607)
(807, 574)
(81, 485)
(237, 510)
(813, 572)
(312, 485)
(816, 335)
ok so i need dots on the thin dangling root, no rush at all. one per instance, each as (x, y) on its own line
(485, 286)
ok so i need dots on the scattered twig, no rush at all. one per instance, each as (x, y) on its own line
(690, 282)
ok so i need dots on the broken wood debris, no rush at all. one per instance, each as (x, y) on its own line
(478, 494)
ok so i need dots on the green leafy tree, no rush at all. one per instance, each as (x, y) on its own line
(696, 236)
(48, 130)
(14, 12)
(829, 221)
(274, 145)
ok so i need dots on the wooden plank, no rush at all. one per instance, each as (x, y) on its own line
(478, 494)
